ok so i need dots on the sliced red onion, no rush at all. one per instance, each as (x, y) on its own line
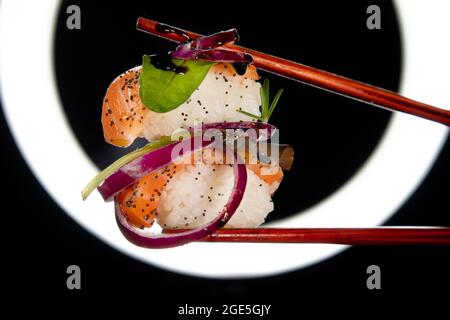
(159, 241)
(215, 40)
(215, 55)
(205, 48)
(269, 129)
(140, 167)
(239, 125)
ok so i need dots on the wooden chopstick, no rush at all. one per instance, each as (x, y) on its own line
(346, 236)
(318, 78)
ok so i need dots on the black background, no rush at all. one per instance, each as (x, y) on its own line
(332, 136)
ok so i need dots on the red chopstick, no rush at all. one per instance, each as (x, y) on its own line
(351, 88)
(347, 236)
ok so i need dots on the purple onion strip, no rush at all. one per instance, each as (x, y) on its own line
(156, 159)
(215, 55)
(140, 167)
(205, 48)
(215, 40)
(160, 241)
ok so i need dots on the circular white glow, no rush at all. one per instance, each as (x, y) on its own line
(395, 169)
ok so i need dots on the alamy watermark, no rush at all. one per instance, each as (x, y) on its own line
(74, 279)
(373, 22)
(73, 21)
(374, 280)
(214, 146)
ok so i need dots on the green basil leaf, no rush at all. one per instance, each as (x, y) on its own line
(162, 91)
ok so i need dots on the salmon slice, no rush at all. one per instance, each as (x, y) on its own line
(123, 111)
(228, 70)
(271, 176)
(139, 201)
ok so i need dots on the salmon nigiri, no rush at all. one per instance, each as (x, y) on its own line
(189, 195)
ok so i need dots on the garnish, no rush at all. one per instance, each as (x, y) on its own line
(119, 163)
(266, 108)
(210, 48)
(133, 166)
(164, 240)
(162, 91)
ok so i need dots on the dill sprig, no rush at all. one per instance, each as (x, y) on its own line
(267, 108)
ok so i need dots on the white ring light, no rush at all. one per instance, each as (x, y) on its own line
(395, 169)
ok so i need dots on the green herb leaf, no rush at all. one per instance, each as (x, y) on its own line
(251, 115)
(264, 92)
(266, 110)
(274, 102)
(119, 163)
(162, 91)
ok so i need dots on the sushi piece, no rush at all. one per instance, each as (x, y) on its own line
(189, 88)
(197, 194)
(125, 117)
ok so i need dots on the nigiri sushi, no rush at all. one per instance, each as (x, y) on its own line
(155, 100)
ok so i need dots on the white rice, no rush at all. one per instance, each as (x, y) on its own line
(215, 100)
(196, 195)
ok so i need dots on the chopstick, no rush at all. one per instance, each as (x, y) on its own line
(351, 88)
(311, 76)
(345, 236)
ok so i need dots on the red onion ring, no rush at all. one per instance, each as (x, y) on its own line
(142, 239)
(204, 48)
(142, 166)
(215, 55)
(270, 128)
(215, 40)
(158, 158)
